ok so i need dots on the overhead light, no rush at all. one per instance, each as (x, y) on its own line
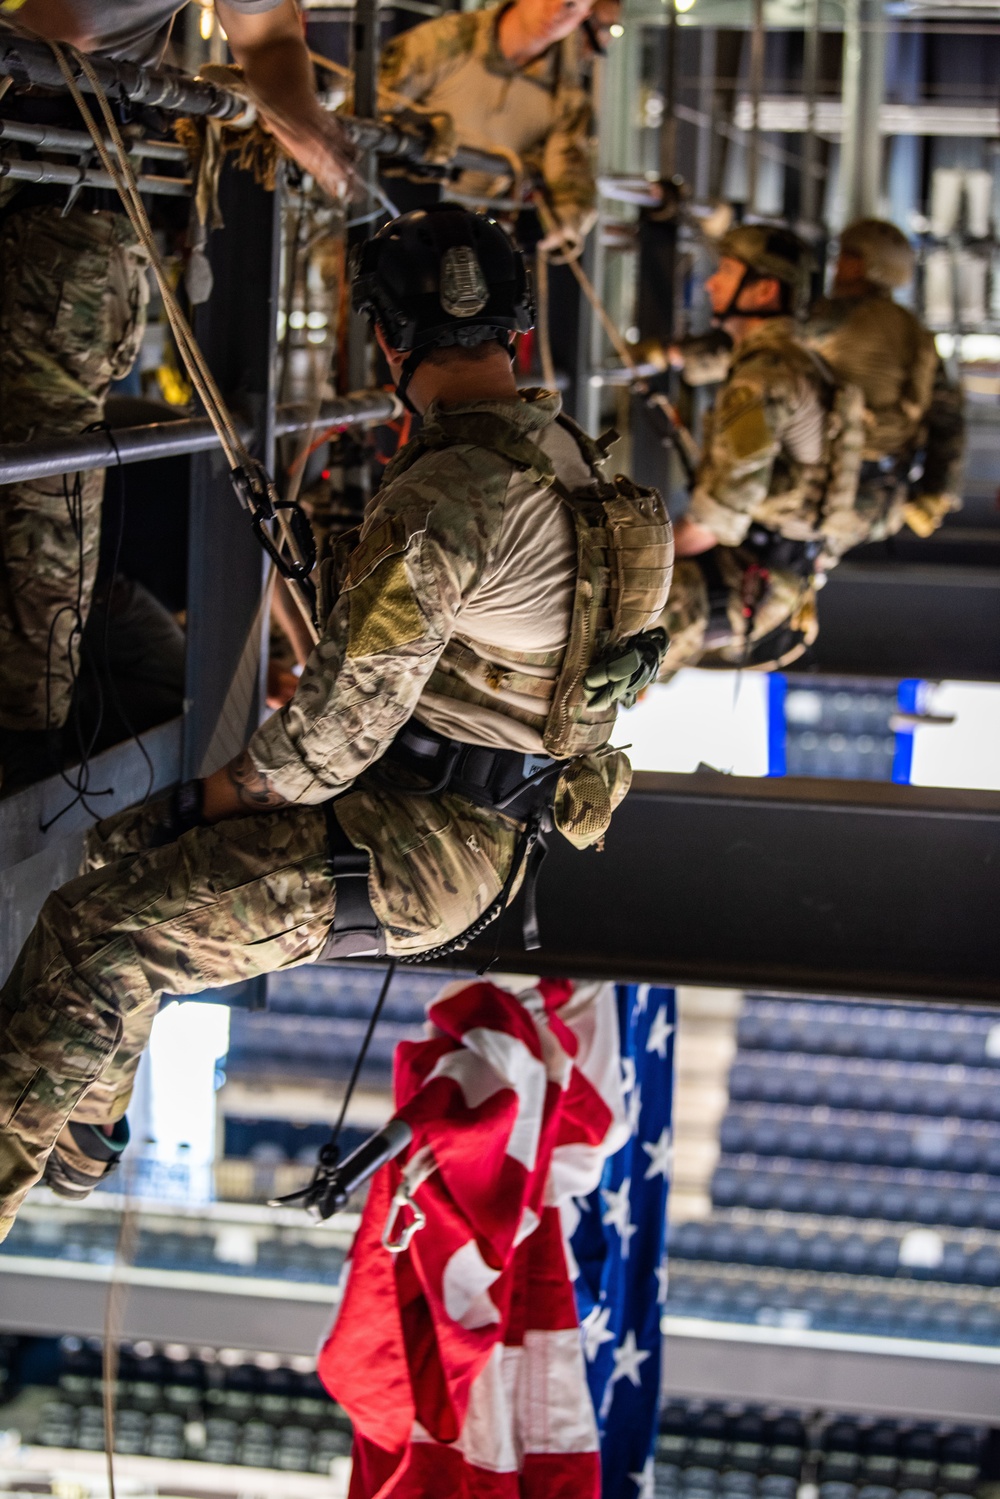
(617, 29)
(207, 23)
(683, 5)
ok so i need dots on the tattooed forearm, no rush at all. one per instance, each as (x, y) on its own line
(253, 790)
(238, 788)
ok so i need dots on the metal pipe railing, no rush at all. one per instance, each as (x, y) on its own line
(74, 142)
(33, 62)
(45, 459)
(65, 175)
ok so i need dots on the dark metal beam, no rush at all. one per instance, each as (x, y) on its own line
(166, 89)
(829, 887)
(40, 460)
(892, 620)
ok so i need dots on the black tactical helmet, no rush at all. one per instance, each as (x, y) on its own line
(438, 276)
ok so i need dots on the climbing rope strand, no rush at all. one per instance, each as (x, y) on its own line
(123, 175)
(692, 455)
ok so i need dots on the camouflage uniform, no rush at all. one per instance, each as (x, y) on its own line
(452, 67)
(711, 632)
(884, 349)
(768, 454)
(255, 894)
(72, 312)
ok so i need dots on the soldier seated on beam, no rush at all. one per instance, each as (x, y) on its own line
(774, 503)
(506, 79)
(478, 635)
(915, 438)
(72, 314)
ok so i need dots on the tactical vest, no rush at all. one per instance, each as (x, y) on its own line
(624, 553)
(838, 524)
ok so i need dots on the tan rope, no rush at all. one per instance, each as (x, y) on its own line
(542, 318)
(621, 348)
(123, 175)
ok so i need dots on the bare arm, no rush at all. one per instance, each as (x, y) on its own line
(271, 49)
(238, 788)
(56, 20)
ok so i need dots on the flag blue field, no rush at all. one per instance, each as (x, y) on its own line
(620, 1248)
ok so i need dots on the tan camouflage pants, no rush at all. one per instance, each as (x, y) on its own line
(245, 897)
(73, 295)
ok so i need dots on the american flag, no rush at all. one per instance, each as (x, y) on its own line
(459, 1359)
(620, 1248)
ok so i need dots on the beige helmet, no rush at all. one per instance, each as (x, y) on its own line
(770, 250)
(885, 251)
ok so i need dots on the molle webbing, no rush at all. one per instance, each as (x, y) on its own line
(624, 560)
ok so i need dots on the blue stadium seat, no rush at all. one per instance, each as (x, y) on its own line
(820, 1252)
(826, 1196)
(866, 1145)
(982, 1266)
(757, 1247)
(989, 1157)
(722, 1243)
(953, 1263)
(688, 1241)
(787, 1249)
(727, 1187)
(990, 1210)
(982, 1324)
(870, 1094)
(893, 1204)
(742, 1082)
(853, 1255)
(760, 1192)
(840, 1091)
(793, 1195)
(863, 1200)
(770, 1137)
(961, 1209)
(805, 1087)
(896, 1147)
(883, 1257)
(734, 1135)
(830, 1143)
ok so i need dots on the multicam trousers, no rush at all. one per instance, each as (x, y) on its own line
(73, 295)
(219, 904)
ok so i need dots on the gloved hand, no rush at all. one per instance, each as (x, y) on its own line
(926, 512)
(564, 241)
(436, 128)
(626, 670)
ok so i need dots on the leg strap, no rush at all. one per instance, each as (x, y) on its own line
(356, 931)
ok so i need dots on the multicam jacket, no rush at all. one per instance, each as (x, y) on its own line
(782, 448)
(914, 407)
(459, 543)
(453, 66)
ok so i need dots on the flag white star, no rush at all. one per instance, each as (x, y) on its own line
(618, 1215)
(645, 1481)
(641, 999)
(659, 1033)
(633, 1109)
(662, 1276)
(660, 1154)
(628, 1074)
(628, 1360)
(595, 1331)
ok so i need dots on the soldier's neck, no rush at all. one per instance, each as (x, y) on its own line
(462, 381)
(517, 42)
(740, 328)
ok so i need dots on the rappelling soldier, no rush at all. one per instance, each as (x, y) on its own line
(774, 502)
(478, 635)
(911, 474)
(506, 79)
(72, 312)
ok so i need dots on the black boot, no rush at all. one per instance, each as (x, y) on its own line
(82, 1156)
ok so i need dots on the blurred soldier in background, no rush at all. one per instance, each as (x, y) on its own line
(915, 438)
(773, 503)
(506, 79)
(72, 313)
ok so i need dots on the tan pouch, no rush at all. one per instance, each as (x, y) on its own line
(587, 793)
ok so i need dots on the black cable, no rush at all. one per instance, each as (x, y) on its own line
(329, 1155)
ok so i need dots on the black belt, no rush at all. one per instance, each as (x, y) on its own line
(501, 780)
(518, 785)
